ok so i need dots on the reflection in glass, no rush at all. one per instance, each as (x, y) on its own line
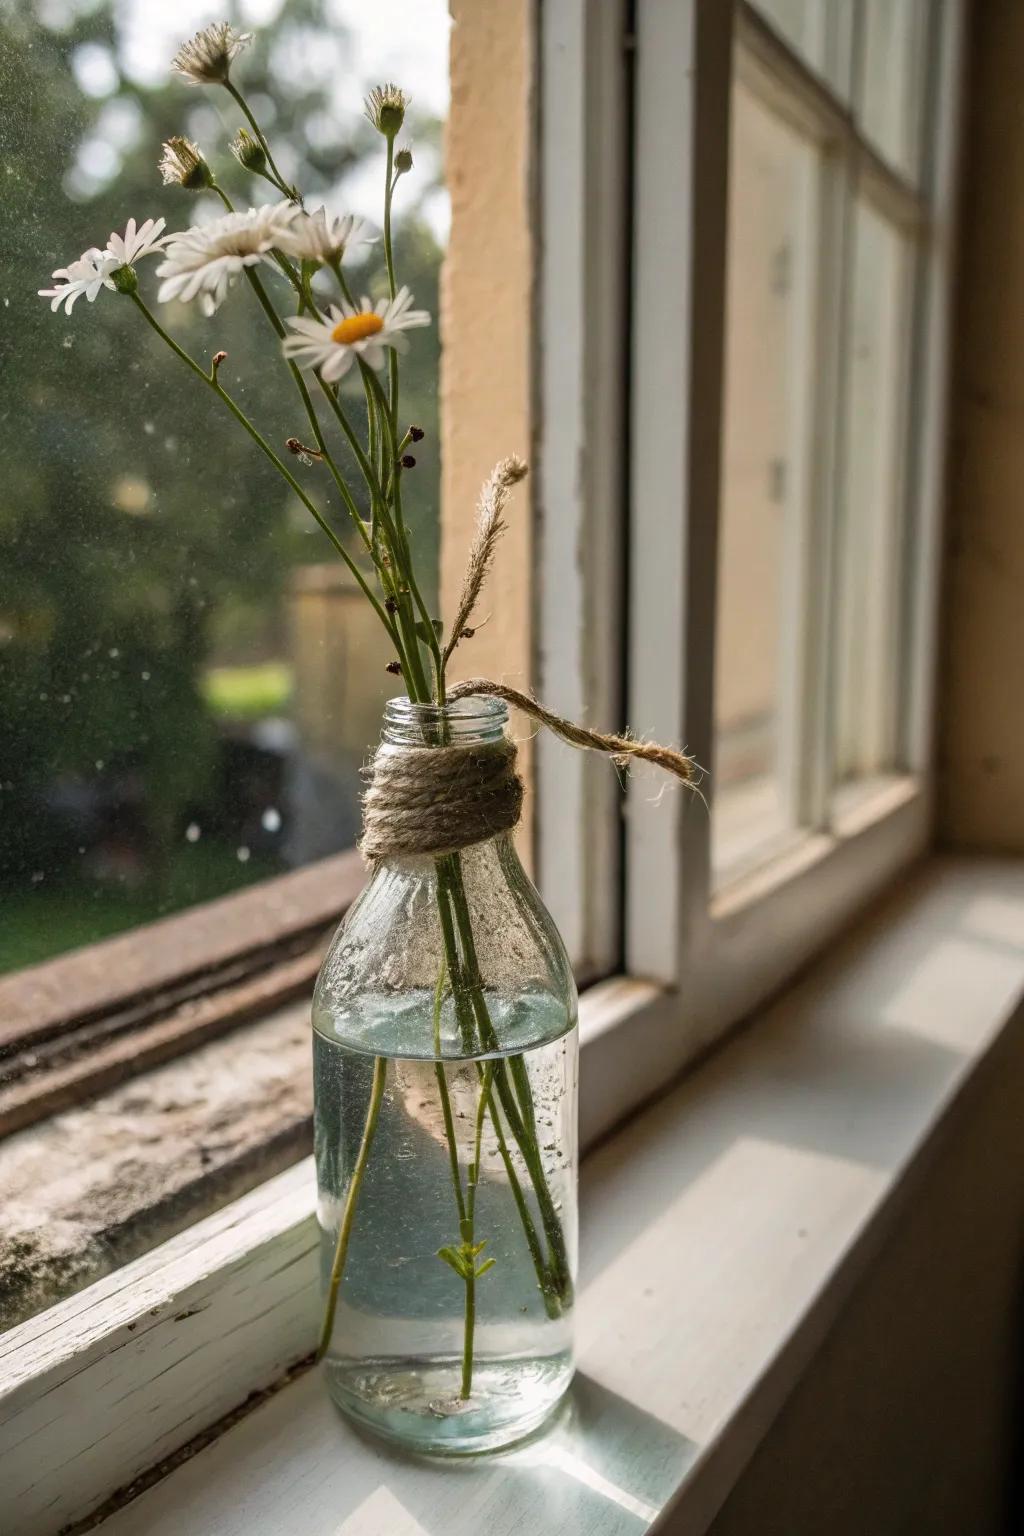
(770, 345)
(891, 78)
(818, 30)
(187, 682)
(870, 555)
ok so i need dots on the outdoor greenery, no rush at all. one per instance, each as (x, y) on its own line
(140, 541)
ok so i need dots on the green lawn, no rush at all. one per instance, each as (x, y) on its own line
(46, 921)
(248, 693)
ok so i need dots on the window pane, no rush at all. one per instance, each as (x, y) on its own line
(189, 679)
(892, 78)
(819, 31)
(770, 342)
(871, 528)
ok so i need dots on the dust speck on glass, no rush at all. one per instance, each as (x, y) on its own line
(187, 682)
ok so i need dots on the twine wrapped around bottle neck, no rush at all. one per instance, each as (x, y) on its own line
(437, 799)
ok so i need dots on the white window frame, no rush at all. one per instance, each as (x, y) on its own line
(101, 1386)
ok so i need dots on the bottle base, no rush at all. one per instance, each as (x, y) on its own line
(416, 1404)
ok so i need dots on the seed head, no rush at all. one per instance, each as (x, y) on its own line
(385, 108)
(182, 164)
(206, 58)
(249, 152)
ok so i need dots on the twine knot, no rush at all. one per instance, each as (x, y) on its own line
(438, 799)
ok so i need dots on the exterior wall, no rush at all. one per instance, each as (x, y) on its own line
(982, 697)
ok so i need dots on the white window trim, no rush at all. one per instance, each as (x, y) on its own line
(581, 513)
(80, 1384)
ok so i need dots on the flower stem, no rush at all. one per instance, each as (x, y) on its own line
(210, 380)
(472, 1181)
(380, 1071)
(281, 184)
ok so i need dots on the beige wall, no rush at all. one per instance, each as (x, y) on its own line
(486, 362)
(982, 677)
(903, 1424)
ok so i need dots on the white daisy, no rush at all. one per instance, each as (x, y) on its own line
(87, 275)
(317, 237)
(206, 58)
(206, 260)
(331, 345)
(135, 243)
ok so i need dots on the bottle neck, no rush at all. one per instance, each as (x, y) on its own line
(468, 722)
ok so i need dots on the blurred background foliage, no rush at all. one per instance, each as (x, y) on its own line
(146, 548)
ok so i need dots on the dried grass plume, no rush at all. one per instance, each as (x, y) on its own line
(490, 526)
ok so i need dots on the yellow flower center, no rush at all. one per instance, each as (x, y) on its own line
(356, 328)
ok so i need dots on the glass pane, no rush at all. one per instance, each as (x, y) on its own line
(892, 78)
(189, 680)
(770, 339)
(819, 31)
(871, 521)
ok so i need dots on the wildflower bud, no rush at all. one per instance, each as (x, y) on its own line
(218, 358)
(385, 108)
(395, 668)
(403, 161)
(467, 633)
(125, 280)
(182, 165)
(391, 604)
(407, 461)
(416, 434)
(249, 152)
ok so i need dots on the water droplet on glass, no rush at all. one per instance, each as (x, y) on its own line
(100, 765)
(271, 819)
(69, 342)
(113, 653)
(192, 833)
(149, 428)
(145, 676)
(242, 855)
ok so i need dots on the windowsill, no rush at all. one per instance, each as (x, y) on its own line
(723, 1230)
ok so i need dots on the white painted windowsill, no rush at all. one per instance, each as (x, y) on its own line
(722, 1230)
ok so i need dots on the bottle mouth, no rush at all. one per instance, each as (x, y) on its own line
(477, 718)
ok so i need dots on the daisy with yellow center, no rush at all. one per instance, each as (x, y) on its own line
(331, 345)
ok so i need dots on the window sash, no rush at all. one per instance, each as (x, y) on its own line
(727, 950)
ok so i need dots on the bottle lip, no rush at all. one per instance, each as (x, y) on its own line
(477, 710)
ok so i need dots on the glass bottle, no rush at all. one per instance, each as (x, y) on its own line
(445, 1077)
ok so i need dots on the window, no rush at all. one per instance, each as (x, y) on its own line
(188, 681)
(827, 236)
(712, 274)
(790, 289)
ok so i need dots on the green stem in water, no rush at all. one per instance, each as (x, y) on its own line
(446, 1103)
(515, 1095)
(472, 1181)
(380, 1072)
